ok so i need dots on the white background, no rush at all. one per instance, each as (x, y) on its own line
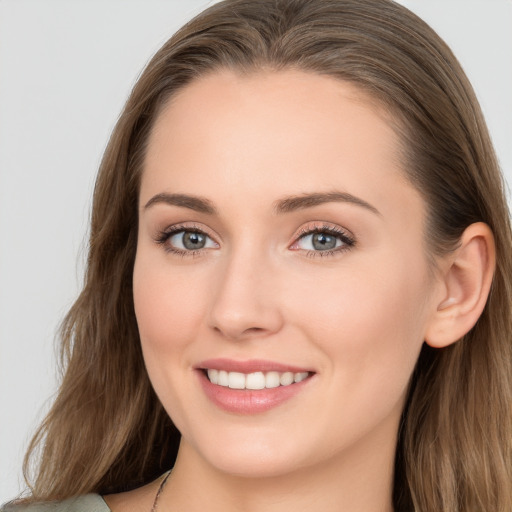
(66, 68)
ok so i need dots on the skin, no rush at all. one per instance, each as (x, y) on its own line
(356, 317)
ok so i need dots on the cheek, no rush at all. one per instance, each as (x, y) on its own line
(370, 320)
(168, 307)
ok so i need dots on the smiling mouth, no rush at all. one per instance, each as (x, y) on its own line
(254, 380)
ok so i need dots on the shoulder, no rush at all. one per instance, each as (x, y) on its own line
(86, 503)
(136, 500)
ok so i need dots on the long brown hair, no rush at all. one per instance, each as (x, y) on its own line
(108, 432)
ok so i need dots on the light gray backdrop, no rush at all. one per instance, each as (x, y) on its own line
(66, 68)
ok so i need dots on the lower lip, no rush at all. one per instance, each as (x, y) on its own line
(249, 401)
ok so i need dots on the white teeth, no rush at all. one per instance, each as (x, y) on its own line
(286, 379)
(256, 380)
(298, 377)
(272, 380)
(213, 375)
(236, 380)
(223, 379)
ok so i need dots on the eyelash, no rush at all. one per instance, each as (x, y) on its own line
(347, 240)
(164, 236)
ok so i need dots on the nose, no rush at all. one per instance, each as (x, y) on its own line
(245, 301)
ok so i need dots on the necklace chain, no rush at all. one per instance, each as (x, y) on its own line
(160, 489)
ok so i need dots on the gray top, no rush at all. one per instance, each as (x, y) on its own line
(86, 503)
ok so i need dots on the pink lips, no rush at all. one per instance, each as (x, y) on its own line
(247, 401)
(254, 365)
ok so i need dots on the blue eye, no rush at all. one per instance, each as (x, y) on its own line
(323, 241)
(191, 240)
(185, 241)
(319, 242)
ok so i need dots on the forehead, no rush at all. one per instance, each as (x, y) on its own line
(280, 132)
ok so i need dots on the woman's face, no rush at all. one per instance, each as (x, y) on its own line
(279, 242)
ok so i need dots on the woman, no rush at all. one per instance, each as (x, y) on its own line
(300, 254)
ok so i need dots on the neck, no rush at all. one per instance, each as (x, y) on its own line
(360, 481)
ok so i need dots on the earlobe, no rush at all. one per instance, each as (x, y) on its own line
(466, 281)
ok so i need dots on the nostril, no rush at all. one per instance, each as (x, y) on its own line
(255, 329)
(233, 333)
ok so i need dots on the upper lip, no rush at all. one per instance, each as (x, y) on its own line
(249, 366)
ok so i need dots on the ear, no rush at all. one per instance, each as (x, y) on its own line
(466, 277)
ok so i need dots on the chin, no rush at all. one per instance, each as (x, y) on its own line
(255, 466)
(253, 454)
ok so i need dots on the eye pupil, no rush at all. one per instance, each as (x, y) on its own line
(193, 240)
(323, 242)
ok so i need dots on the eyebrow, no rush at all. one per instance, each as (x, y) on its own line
(286, 205)
(301, 202)
(198, 204)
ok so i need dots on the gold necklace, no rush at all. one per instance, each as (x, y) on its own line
(160, 489)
